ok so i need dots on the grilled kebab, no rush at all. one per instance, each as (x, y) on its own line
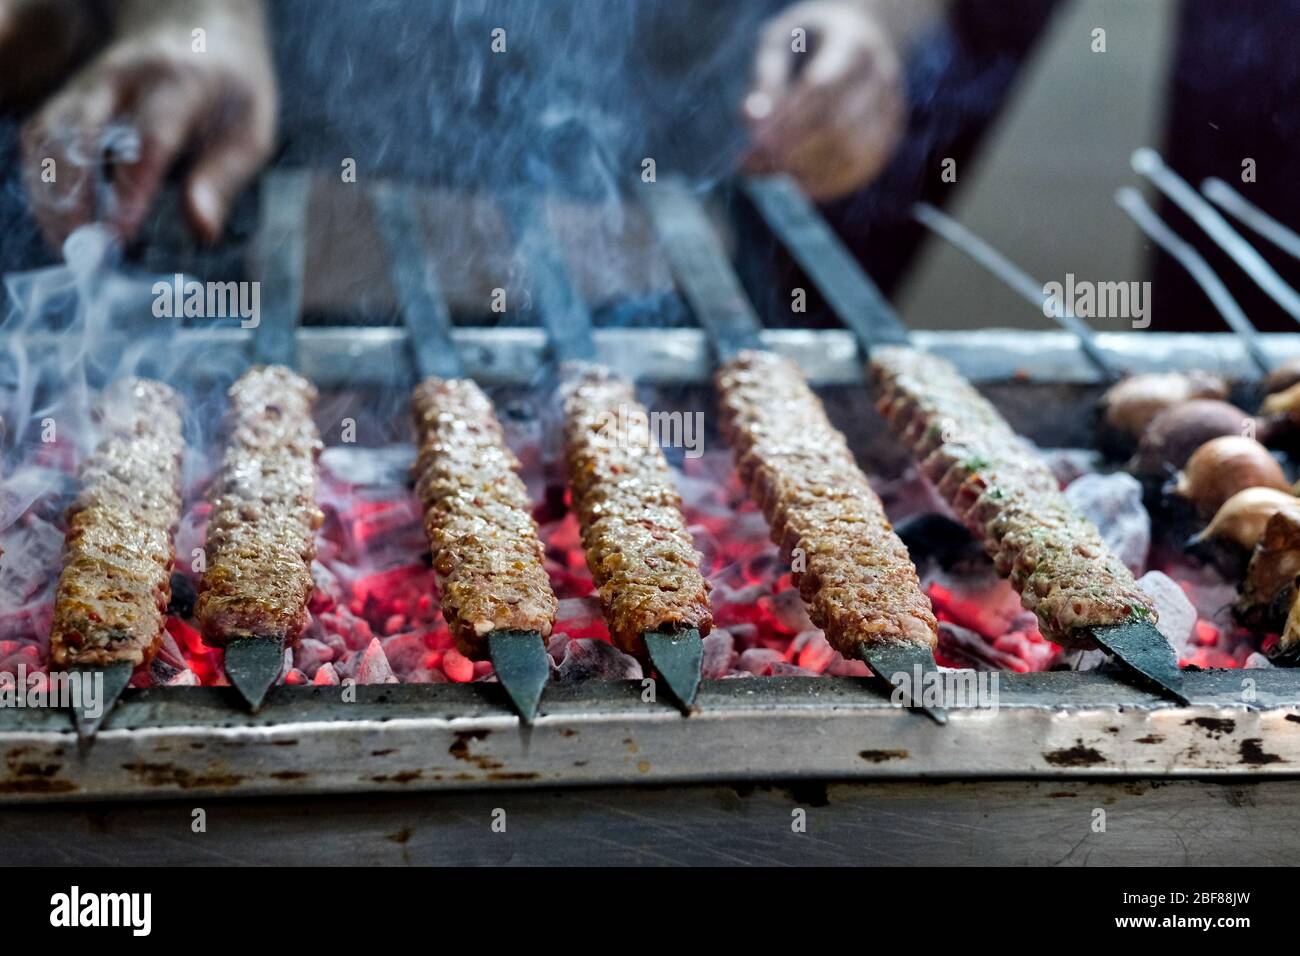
(1008, 498)
(851, 569)
(113, 592)
(638, 549)
(486, 553)
(262, 531)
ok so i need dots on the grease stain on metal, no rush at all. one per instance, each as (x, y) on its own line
(881, 756)
(1076, 756)
(1214, 726)
(165, 774)
(460, 749)
(1253, 753)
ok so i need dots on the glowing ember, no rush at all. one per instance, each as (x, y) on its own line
(375, 617)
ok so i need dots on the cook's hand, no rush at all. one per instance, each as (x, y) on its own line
(151, 89)
(830, 117)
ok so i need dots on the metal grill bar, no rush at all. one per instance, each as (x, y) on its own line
(424, 308)
(1020, 281)
(852, 296)
(280, 251)
(563, 312)
(703, 272)
(186, 741)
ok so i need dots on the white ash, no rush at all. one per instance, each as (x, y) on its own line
(785, 669)
(374, 667)
(1077, 660)
(1114, 504)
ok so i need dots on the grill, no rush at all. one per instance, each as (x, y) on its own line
(195, 741)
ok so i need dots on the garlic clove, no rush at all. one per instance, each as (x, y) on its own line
(1242, 518)
(1285, 403)
(1130, 404)
(1283, 376)
(1224, 466)
(1268, 591)
(1178, 431)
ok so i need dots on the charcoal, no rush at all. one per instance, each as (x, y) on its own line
(812, 651)
(970, 649)
(405, 652)
(841, 667)
(719, 653)
(592, 659)
(374, 668)
(31, 563)
(936, 537)
(759, 661)
(326, 675)
(1071, 464)
(311, 654)
(1177, 616)
(184, 595)
(790, 611)
(785, 669)
(1114, 504)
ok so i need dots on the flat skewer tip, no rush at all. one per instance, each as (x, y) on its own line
(522, 667)
(1144, 651)
(253, 665)
(116, 677)
(896, 666)
(678, 658)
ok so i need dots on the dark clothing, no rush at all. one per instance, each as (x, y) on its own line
(1234, 94)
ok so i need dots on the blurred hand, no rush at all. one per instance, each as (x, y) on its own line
(152, 93)
(830, 117)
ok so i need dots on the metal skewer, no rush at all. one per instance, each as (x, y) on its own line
(1139, 646)
(115, 678)
(254, 664)
(1147, 162)
(677, 656)
(1132, 202)
(117, 145)
(728, 319)
(962, 239)
(1220, 193)
(519, 658)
